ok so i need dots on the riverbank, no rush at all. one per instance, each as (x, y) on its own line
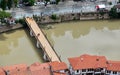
(6, 28)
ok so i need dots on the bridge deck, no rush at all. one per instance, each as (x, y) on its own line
(52, 55)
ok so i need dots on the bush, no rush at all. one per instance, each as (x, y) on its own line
(113, 13)
(54, 17)
(22, 21)
(4, 14)
(110, 3)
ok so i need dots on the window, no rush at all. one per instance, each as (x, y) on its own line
(83, 70)
(108, 71)
(77, 71)
(114, 72)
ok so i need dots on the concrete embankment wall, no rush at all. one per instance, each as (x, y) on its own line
(71, 16)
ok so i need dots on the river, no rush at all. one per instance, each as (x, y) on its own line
(18, 47)
(71, 39)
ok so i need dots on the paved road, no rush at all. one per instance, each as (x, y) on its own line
(61, 8)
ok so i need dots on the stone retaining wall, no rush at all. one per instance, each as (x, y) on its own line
(72, 16)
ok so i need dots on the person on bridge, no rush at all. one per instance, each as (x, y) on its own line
(38, 34)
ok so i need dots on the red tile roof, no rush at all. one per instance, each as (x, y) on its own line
(59, 74)
(88, 61)
(56, 66)
(2, 72)
(40, 69)
(16, 69)
(113, 65)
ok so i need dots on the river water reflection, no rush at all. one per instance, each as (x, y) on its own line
(18, 47)
(86, 37)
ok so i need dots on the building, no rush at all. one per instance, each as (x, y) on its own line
(50, 68)
(2, 71)
(20, 69)
(58, 68)
(40, 69)
(88, 65)
(117, 8)
(113, 68)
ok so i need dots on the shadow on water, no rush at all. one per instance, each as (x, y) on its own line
(39, 51)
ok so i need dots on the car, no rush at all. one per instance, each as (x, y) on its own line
(39, 3)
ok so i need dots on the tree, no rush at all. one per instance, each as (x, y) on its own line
(9, 4)
(57, 1)
(113, 13)
(29, 2)
(4, 14)
(3, 4)
(15, 2)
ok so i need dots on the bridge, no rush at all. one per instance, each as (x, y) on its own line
(42, 41)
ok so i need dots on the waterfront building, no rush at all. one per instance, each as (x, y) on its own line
(113, 68)
(59, 68)
(93, 65)
(50, 68)
(20, 69)
(88, 65)
(40, 69)
(2, 71)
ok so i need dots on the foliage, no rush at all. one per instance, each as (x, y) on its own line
(57, 1)
(101, 12)
(29, 2)
(4, 14)
(54, 17)
(47, 0)
(113, 13)
(22, 21)
(110, 3)
(9, 4)
(3, 4)
(15, 2)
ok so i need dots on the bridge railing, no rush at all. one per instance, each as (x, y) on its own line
(48, 42)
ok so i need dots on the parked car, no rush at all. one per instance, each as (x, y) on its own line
(39, 3)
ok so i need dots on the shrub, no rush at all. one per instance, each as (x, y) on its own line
(54, 17)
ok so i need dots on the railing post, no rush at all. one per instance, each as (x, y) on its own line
(31, 33)
(38, 44)
(45, 56)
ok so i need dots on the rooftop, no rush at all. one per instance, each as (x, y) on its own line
(88, 61)
(113, 65)
(58, 65)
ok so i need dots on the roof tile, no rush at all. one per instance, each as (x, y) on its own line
(58, 65)
(88, 61)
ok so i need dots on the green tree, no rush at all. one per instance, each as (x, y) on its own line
(4, 14)
(113, 13)
(3, 4)
(54, 17)
(9, 4)
(15, 2)
(57, 1)
(29, 2)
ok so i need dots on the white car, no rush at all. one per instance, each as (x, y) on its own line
(39, 3)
